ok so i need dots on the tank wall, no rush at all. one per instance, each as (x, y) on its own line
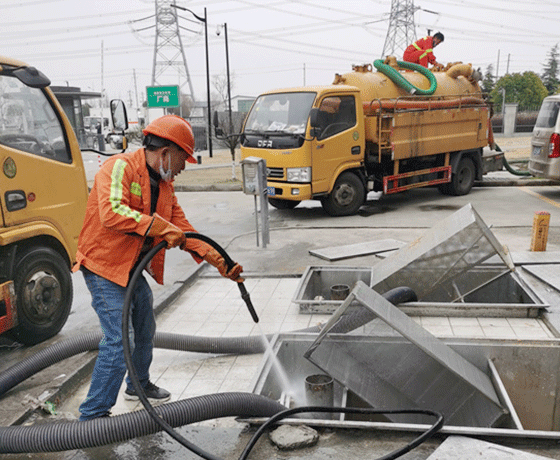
(376, 85)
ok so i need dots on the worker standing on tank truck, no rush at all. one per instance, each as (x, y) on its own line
(131, 208)
(421, 51)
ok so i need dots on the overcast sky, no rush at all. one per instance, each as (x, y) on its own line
(272, 43)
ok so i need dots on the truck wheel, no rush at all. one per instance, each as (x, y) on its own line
(283, 204)
(462, 180)
(347, 195)
(43, 286)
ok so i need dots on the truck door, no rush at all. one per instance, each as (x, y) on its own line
(39, 181)
(337, 141)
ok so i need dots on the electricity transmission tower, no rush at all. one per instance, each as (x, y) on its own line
(402, 31)
(168, 48)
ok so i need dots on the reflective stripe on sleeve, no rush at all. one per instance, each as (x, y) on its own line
(425, 53)
(116, 195)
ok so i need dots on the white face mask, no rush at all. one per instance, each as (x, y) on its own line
(167, 176)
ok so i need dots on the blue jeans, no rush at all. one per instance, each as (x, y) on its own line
(110, 367)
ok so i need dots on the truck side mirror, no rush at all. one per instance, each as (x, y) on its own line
(118, 113)
(314, 122)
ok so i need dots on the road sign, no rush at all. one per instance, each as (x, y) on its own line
(162, 96)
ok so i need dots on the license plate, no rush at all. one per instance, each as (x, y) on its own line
(270, 191)
(536, 151)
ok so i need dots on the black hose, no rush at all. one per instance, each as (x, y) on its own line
(353, 410)
(365, 314)
(133, 375)
(230, 263)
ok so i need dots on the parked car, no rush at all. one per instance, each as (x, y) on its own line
(545, 141)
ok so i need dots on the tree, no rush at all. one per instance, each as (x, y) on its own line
(550, 71)
(187, 105)
(526, 89)
(488, 81)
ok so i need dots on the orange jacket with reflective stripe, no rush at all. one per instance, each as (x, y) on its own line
(421, 50)
(118, 217)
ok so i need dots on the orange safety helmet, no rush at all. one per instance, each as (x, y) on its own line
(175, 129)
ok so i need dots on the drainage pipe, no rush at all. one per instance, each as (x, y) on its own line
(401, 104)
(513, 171)
(71, 435)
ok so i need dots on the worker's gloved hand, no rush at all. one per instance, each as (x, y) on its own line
(214, 258)
(166, 230)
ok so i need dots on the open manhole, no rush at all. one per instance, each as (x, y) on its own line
(456, 268)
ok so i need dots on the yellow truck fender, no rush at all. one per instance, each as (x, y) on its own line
(355, 168)
(28, 232)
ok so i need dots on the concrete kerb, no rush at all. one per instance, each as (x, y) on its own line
(209, 188)
(488, 182)
(514, 182)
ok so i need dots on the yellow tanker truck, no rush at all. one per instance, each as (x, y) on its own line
(390, 130)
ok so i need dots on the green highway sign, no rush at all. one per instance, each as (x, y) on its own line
(162, 96)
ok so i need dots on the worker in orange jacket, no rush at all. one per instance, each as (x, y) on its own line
(421, 51)
(131, 208)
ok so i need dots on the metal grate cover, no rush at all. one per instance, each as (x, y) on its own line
(440, 265)
(416, 370)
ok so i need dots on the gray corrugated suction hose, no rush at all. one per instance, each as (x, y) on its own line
(216, 345)
(61, 436)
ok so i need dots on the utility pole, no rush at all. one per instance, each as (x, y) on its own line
(135, 89)
(102, 85)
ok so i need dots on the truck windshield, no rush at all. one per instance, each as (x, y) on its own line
(29, 123)
(548, 114)
(280, 113)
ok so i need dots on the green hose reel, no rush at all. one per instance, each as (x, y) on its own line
(396, 77)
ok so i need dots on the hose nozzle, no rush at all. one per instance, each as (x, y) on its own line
(247, 299)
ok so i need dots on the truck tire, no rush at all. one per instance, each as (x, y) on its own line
(43, 286)
(283, 204)
(347, 195)
(462, 180)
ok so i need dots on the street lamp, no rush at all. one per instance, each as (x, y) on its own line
(205, 21)
(228, 80)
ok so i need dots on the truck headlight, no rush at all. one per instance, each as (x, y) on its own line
(299, 174)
